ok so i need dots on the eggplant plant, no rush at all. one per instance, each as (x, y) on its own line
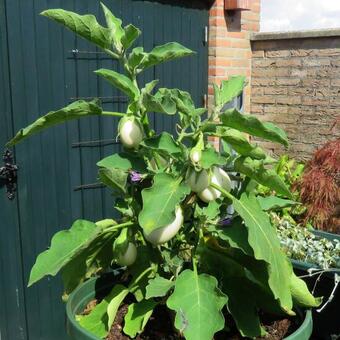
(179, 246)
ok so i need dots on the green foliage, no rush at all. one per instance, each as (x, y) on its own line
(158, 287)
(210, 157)
(275, 203)
(160, 201)
(209, 301)
(65, 245)
(250, 124)
(137, 317)
(163, 142)
(119, 293)
(120, 81)
(159, 183)
(256, 170)
(163, 53)
(289, 171)
(229, 90)
(75, 110)
(97, 321)
(266, 246)
(84, 25)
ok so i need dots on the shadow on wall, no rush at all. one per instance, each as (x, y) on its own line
(233, 21)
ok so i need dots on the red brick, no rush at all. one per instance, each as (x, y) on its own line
(220, 43)
(216, 71)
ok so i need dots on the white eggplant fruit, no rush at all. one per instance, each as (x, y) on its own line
(220, 178)
(129, 257)
(164, 234)
(197, 181)
(130, 132)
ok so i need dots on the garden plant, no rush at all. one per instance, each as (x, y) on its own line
(174, 238)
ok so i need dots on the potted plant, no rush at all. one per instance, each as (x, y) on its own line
(179, 250)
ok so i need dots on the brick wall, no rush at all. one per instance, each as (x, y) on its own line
(229, 44)
(296, 84)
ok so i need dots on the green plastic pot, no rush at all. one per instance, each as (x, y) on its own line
(102, 286)
(326, 323)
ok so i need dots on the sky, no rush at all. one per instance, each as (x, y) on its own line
(290, 15)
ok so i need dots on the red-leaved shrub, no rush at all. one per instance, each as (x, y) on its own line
(320, 187)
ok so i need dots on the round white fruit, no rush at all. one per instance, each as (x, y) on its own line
(220, 178)
(195, 156)
(197, 181)
(164, 234)
(131, 133)
(129, 257)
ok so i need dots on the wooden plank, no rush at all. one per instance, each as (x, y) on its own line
(12, 300)
(44, 76)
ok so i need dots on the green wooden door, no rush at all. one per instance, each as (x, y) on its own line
(43, 67)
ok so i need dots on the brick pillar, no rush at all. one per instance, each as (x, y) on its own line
(229, 44)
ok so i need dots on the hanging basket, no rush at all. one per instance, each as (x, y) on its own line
(237, 5)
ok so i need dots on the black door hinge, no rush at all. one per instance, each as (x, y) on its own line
(8, 174)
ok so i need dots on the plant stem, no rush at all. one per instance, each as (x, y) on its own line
(112, 54)
(119, 226)
(222, 191)
(194, 265)
(109, 113)
(134, 283)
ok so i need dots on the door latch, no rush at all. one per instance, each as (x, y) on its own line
(8, 174)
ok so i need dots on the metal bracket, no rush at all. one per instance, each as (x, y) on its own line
(8, 175)
(205, 35)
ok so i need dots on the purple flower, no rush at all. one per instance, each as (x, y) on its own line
(135, 176)
(225, 222)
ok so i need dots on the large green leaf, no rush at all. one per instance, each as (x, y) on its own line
(137, 317)
(266, 246)
(135, 58)
(210, 157)
(240, 144)
(65, 245)
(124, 161)
(250, 124)
(91, 260)
(121, 81)
(113, 178)
(163, 53)
(159, 103)
(131, 33)
(255, 170)
(244, 297)
(97, 321)
(158, 287)
(96, 257)
(163, 142)
(119, 293)
(84, 25)
(236, 139)
(228, 90)
(275, 203)
(75, 110)
(243, 307)
(301, 295)
(183, 99)
(198, 303)
(148, 256)
(115, 26)
(235, 234)
(160, 201)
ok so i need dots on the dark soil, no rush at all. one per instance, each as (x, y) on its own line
(160, 326)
